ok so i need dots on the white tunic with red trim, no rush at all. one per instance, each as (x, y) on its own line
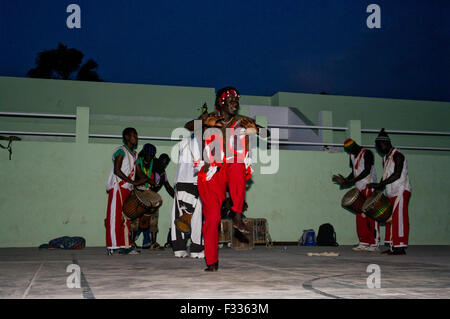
(128, 168)
(358, 167)
(396, 188)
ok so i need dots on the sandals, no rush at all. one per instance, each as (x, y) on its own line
(238, 224)
(242, 229)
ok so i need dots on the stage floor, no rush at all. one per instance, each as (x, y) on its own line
(258, 273)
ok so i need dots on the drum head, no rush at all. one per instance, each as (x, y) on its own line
(371, 201)
(142, 188)
(148, 198)
(350, 197)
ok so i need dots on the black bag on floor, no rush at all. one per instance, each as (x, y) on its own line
(326, 236)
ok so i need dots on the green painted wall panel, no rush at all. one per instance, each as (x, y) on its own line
(53, 189)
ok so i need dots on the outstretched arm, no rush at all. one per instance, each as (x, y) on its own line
(344, 182)
(251, 127)
(211, 120)
(189, 126)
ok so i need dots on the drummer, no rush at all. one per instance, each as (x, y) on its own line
(398, 190)
(120, 183)
(363, 173)
(144, 166)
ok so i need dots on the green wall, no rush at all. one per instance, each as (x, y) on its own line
(52, 189)
(56, 186)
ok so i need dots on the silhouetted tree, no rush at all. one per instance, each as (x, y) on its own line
(61, 63)
(87, 73)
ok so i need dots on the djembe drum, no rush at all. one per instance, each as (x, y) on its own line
(353, 200)
(141, 201)
(378, 207)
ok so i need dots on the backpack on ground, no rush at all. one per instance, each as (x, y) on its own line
(326, 236)
(65, 242)
(308, 238)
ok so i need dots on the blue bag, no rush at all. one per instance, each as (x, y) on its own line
(308, 238)
(65, 242)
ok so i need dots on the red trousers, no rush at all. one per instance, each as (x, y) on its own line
(212, 194)
(397, 231)
(116, 232)
(368, 229)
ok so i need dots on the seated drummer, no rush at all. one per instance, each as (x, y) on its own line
(159, 178)
(363, 173)
(144, 167)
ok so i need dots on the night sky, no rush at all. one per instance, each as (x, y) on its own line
(261, 47)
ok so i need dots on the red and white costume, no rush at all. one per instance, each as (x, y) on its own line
(367, 229)
(398, 192)
(117, 233)
(229, 169)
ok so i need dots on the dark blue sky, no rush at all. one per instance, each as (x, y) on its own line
(261, 47)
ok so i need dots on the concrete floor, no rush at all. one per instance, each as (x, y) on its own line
(259, 273)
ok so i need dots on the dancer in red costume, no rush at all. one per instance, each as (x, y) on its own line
(226, 166)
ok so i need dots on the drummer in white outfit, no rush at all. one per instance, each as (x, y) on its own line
(398, 190)
(363, 173)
